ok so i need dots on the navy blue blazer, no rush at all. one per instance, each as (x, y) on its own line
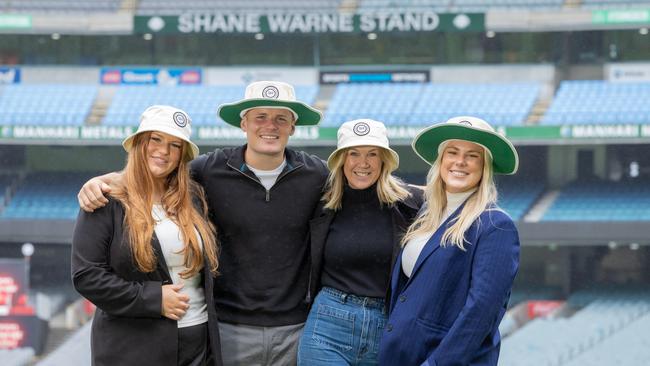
(448, 312)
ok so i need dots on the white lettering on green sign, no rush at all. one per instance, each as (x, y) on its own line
(105, 132)
(212, 23)
(8, 21)
(605, 131)
(306, 23)
(306, 133)
(46, 132)
(403, 132)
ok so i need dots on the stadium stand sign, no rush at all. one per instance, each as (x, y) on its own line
(420, 21)
(339, 77)
(15, 21)
(324, 136)
(621, 16)
(139, 76)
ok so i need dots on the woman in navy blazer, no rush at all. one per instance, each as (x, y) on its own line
(452, 280)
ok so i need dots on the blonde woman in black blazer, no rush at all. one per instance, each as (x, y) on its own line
(147, 258)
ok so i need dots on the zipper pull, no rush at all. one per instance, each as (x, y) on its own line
(268, 195)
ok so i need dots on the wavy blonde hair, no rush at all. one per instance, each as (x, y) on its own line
(135, 192)
(435, 201)
(390, 189)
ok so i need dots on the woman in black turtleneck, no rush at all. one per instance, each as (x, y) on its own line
(355, 237)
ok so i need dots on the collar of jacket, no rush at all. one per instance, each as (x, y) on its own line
(237, 162)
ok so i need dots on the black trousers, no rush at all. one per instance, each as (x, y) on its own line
(193, 345)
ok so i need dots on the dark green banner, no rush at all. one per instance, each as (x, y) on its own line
(327, 135)
(421, 21)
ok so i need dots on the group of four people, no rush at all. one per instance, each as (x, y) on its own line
(263, 255)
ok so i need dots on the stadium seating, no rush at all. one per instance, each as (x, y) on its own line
(44, 195)
(16, 357)
(200, 102)
(75, 350)
(420, 104)
(46, 104)
(608, 4)
(599, 102)
(556, 342)
(175, 7)
(516, 197)
(534, 292)
(40, 6)
(5, 181)
(634, 340)
(458, 5)
(601, 201)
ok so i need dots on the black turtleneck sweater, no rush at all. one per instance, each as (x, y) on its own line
(359, 245)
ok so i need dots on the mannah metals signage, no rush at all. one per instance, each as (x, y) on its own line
(621, 16)
(326, 136)
(420, 21)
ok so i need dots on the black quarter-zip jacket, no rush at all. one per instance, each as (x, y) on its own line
(264, 257)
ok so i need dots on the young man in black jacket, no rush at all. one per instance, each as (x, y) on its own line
(261, 196)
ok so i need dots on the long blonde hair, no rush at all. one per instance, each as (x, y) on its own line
(135, 192)
(390, 189)
(435, 201)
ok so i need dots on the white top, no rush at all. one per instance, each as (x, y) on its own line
(268, 177)
(172, 245)
(414, 247)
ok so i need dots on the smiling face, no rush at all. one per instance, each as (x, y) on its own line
(461, 166)
(267, 133)
(163, 154)
(362, 166)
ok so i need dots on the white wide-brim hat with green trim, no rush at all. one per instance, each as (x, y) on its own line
(269, 94)
(504, 155)
(166, 119)
(362, 132)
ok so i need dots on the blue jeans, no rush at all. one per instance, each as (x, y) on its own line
(342, 329)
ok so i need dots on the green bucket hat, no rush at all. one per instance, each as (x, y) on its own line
(269, 94)
(504, 156)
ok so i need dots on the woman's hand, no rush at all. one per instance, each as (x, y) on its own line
(174, 304)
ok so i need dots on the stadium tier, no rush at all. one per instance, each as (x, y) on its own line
(517, 197)
(564, 341)
(423, 104)
(45, 195)
(16, 357)
(46, 104)
(601, 201)
(459, 5)
(634, 340)
(177, 7)
(60, 5)
(200, 102)
(598, 101)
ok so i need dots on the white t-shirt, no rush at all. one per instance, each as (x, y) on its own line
(414, 247)
(172, 244)
(268, 177)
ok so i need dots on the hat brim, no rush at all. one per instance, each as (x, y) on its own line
(393, 154)
(192, 153)
(307, 116)
(504, 156)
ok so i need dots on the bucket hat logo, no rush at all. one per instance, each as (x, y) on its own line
(361, 129)
(271, 92)
(180, 119)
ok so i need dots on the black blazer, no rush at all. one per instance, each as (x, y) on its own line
(128, 328)
(402, 212)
